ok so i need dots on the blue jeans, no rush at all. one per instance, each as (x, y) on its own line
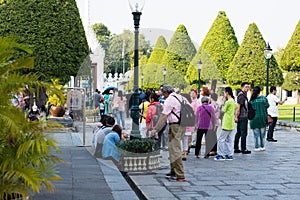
(121, 117)
(259, 137)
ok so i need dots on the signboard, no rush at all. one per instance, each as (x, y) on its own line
(74, 100)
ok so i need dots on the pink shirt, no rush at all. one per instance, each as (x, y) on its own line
(172, 104)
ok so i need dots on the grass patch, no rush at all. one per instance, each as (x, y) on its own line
(286, 112)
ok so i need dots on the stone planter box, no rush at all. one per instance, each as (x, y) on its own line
(134, 162)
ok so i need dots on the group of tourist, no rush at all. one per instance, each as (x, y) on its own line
(160, 118)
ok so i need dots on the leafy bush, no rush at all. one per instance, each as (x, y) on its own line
(27, 163)
(142, 145)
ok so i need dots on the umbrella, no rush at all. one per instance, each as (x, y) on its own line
(108, 89)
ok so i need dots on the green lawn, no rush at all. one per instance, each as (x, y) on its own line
(286, 112)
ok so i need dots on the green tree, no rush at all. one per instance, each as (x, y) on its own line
(249, 63)
(209, 70)
(291, 57)
(180, 51)
(54, 31)
(27, 163)
(103, 35)
(220, 45)
(158, 50)
(113, 56)
(290, 61)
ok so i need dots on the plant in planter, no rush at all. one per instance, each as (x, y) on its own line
(56, 99)
(139, 155)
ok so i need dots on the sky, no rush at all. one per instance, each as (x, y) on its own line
(276, 19)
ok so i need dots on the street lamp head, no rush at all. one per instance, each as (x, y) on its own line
(268, 52)
(164, 71)
(199, 65)
(136, 5)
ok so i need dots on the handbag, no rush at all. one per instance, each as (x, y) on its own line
(269, 119)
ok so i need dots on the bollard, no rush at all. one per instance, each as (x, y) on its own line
(294, 114)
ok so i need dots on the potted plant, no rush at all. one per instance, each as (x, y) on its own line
(139, 155)
(56, 99)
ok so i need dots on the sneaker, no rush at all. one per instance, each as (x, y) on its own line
(246, 152)
(257, 149)
(262, 148)
(271, 140)
(237, 151)
(228, 157)
(183, 159)
(219, 157)
(180, 180)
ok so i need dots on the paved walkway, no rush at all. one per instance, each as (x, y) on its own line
(272, 174)
(85, 177)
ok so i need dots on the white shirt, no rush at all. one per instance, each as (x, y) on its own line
(273, 101)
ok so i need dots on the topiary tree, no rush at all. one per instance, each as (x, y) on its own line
(249, 62)
(208, 72)
(180, 51)
(54, 31)
(290, 61)
(220, 45)
(158, 50)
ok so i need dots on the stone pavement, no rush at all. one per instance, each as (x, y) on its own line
(272, 174)
(85, 177)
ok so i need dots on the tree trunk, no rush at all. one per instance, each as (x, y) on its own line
(213, 86)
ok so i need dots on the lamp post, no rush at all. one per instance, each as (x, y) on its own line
(142, 78)
(136, 8)
(164, 74)
(199, 65)
(268, 54)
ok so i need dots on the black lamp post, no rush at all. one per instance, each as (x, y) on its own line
(136, 8)
(268, 54)
(164, 74)
(199, 71)
(142, 78)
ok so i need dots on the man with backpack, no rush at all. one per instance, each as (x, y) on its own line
(175, 112)
(241, 118)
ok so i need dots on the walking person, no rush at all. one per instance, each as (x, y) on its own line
(170, 112)
(120, 109)
(206, 119)
(226, 138)
(241, 118)
(273, 112)
(258, 123)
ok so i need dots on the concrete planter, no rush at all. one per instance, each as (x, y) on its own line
(134, 162)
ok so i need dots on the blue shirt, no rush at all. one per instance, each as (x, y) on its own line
(109, 148)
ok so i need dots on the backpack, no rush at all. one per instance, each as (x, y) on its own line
(187, 115)
(158, 112)
(251, 110)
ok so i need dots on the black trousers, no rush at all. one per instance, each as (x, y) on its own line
(200, 133)
(271, 129)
